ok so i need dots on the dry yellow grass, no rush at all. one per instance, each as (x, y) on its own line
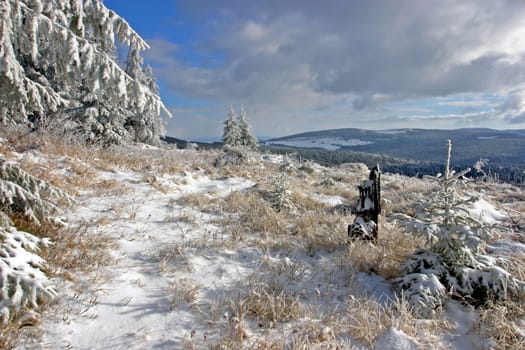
(503, 324)
(268, 305)
(6, 150)
(252, 214)
(77, 249)
(173, 257)
(399, 192)
(10, 334)
(139, 158)
(183, 291)
(198, 200)
(72, 177)
(367, 320)
(385, 256)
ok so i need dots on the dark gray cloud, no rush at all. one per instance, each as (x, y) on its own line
(295, 57)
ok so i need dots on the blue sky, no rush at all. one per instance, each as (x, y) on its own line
(303, 65)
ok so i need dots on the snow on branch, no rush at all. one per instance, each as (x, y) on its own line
(23, 194)
(58, 60)
(22, 282)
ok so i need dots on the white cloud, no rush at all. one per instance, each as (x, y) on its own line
(465, 103)
(252, 31)
(512, 110)
(286, 60)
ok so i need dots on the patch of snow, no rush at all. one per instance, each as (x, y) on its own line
(486, 212)
(273, 158)
(33, 156)
(324, 143)
(376, 286)
(507, 246)
(146, 146)
(395, 339)
(189, 183)
(330, 200)
(463, 320)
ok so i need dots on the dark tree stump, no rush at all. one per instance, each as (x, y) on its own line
(368, 208)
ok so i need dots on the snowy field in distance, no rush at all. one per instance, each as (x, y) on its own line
(331, 144)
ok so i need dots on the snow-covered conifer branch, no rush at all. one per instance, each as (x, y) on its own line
(22, 282)
(23, 194)
(57, 61)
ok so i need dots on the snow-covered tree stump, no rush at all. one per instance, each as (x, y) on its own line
(368, 207)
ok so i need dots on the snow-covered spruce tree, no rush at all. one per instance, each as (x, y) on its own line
(280, 197)
(59, 68)
(454, 263)
(238, 140)
(246, 136)
(231, 136)
(23, 284)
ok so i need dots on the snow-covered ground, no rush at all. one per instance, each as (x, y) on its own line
(177, 280)
(135, 306)
(171, 278)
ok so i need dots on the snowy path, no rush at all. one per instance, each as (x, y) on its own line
(132, 307)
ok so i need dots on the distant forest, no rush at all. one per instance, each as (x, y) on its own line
(501, 171)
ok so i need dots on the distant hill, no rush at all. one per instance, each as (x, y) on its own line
(413, 152)
(502, 147)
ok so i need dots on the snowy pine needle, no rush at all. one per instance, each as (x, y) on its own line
(22, 282)
(23, 194)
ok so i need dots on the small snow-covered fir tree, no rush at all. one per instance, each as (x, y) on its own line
(454, 262)
(232, 135)
(58, 67)
(280, 197)
(247, 137)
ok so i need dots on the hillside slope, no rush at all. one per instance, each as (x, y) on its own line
(500, 147)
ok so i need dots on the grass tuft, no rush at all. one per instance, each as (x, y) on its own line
(504, 325)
